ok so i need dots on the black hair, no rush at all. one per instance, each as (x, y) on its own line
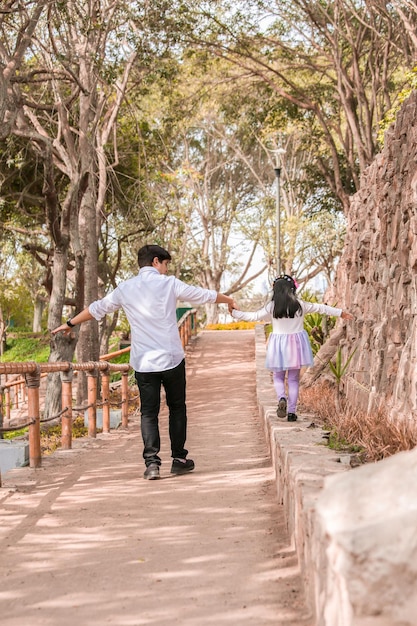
(147, 253)
(286, 303)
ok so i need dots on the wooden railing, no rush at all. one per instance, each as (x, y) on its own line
(33, 371)
(187, 326)
(28, 387)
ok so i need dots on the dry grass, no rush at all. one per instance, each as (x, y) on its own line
(372, 436)
(51, 437)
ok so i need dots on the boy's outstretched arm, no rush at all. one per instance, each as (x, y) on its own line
(81, 317)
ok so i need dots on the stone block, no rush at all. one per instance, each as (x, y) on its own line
(13, 454)
(115, 418)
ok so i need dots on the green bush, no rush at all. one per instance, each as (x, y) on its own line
(122, 358)
(318, 327)
(29, 348)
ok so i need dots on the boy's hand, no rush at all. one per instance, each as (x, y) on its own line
(64, 328)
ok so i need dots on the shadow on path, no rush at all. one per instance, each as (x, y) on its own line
(85, 541)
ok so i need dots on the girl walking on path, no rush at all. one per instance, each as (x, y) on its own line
(289, 346)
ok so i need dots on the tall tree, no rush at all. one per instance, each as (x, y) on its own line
(18, 21)
(340, 63)
(206, 190)
(83, 52)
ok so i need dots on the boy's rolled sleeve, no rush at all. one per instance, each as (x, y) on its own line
(106, 305)
(194, 295)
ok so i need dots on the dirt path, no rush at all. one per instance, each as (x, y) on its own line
(85, 541)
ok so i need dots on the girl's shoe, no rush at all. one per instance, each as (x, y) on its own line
(292, 417)
(282, 408)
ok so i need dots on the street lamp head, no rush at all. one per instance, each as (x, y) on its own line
(279, 153)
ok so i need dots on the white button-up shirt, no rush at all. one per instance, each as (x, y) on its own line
(149, 301)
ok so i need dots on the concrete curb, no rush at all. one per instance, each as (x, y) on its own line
(301, 463)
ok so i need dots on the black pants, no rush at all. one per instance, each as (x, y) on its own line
(149, 384)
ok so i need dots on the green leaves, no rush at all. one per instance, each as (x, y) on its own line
(337, 367)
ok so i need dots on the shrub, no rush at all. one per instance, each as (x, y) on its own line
(231, 326)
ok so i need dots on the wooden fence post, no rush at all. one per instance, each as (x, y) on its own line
(33, 380)
(1, 415)
(66, 435)
(1, 407)
(8, 403)
(105, 395)
(92, 400)
(125, 399)
(188, 329)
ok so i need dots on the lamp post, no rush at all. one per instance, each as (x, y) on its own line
(277, 169)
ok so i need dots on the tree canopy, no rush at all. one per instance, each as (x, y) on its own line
(123, 123)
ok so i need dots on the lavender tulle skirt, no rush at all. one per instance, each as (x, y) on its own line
(287, 352)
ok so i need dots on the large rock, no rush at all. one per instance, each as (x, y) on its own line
(368, 519)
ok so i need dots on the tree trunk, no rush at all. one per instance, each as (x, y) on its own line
(3, 329)
(88, 345)
(88, 342)
(106, 330)
(37, 314)
(62, 348)
(212, 313)
(323, 356)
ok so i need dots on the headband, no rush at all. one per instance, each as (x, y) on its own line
(288, 278)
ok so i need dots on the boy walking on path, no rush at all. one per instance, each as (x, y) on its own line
(149, 301)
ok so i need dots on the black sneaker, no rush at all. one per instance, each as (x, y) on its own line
(152, 472)
(182, 466)
(292, 417)
(282, 408)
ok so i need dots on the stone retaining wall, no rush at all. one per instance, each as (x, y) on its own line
(353, 529)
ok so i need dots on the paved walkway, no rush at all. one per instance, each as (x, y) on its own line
(85, 541)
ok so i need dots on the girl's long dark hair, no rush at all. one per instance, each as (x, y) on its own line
(286, 303)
